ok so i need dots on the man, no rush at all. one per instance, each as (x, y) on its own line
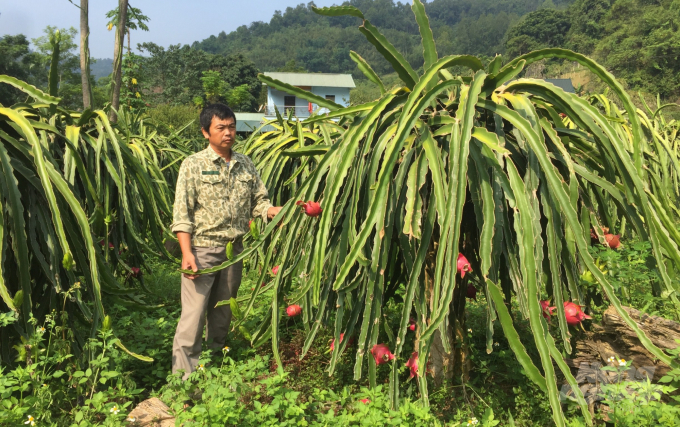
(218, 192)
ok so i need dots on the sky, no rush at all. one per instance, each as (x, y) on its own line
(170, 21)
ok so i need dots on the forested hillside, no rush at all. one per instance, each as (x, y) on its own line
(637, 40)
(300, 38)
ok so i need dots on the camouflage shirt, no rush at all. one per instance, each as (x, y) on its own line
(214, 200)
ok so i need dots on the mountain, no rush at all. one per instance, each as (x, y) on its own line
(101, 67)
(303, 39)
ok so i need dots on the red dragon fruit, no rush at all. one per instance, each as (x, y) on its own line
(381, 353)
(293, 310)
(136, 271)
(275, 270)
(412, 324)
(547, 310)
(412, 363)
(574, 314)
(311, 208)
(342, 335)
(463, 265)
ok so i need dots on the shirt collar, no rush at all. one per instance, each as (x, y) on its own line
(212, 156)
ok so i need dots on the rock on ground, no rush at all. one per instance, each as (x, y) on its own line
(152, 413)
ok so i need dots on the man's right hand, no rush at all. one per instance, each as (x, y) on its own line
(189, 263)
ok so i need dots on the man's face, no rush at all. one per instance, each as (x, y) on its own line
(222, 133)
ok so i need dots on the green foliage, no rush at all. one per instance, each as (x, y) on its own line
(244, 393)
(98, 197)
(214, 87)
(316, 43)
(179, 74)
(90, 389)
(131, 96)
(135, 20)
(506, 174)
(537, 30)
(635, 39)
(170, 118)
(17, 61)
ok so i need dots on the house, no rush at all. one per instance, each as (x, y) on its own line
(334, 87)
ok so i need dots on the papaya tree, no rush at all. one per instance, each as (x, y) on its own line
(461, 159)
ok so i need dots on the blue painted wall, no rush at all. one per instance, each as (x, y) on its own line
(275, 97)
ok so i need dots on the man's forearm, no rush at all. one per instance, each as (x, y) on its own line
(184, 242)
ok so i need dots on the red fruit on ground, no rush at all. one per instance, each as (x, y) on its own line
(613, 240)
(293, 310)
(311, 208)
(463, 265)
(412, 363)
(381, 353)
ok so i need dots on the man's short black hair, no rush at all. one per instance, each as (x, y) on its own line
(218, 110)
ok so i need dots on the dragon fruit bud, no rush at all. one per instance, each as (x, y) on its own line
(412, 363)
(275, 270)
(471, 292)
(381, 353)
(463, 265)
(412, 324)
(293, 310)
(342, 335)
(311, 208)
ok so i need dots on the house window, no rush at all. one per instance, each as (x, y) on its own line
(330, 97)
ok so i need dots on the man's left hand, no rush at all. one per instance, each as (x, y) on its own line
(273, 211)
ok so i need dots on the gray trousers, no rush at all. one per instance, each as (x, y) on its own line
(199, 297)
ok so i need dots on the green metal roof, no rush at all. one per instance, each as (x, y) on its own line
(248, 122)
(314, 79)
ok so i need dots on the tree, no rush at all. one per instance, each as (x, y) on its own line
(133, 21)
(16, 60)
(539, 29)
(116, 76)
(172, 75)
(85, 54)
(214, 87)
(240, 98)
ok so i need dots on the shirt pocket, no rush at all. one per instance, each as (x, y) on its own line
(242, 194)
(212, 192)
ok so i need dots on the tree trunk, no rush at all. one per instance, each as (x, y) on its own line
(85, 55)
(452, 364)
(117, 76)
